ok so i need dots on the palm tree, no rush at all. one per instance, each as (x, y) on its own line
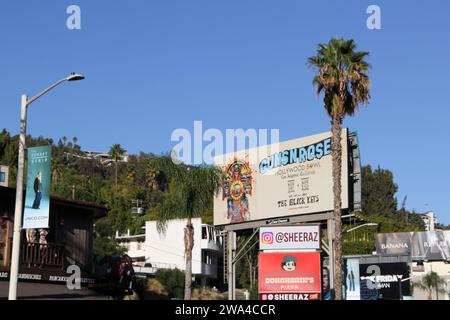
(75, 140)
(57, 170)
(190, 195)
(431, 281)
(116, 152)
(64, 140)
(343, 80)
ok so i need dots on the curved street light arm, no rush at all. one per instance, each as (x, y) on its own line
(40, 94)
(362, 225)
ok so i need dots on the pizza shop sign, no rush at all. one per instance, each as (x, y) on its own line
(305, 237)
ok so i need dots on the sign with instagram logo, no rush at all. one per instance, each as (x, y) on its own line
(305, 237)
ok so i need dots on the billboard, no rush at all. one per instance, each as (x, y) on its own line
(425, 246)
(291, 272)
(37, 200)
(279, 180)
(384, 281)
(351, 279)
(306, 237)
(430, 245)
(393, 243)
(289, 296)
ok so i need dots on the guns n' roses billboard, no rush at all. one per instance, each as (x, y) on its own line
(285, 179)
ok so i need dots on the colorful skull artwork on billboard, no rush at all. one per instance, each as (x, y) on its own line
(237, 187)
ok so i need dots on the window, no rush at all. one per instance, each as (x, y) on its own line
(2, 177)
(206, 258)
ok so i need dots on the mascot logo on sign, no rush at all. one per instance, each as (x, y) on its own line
(289, 263)
(237, 187)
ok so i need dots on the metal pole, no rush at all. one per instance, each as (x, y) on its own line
(231, 267)
(14, 273)
(330, 229)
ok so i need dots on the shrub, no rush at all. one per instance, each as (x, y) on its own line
(173, 282)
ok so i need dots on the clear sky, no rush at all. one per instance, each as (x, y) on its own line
(154, 66)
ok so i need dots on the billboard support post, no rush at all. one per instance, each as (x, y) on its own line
(330, 230)
(231, 247)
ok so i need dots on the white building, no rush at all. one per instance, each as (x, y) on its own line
(420, 269)
(4, 176)
(133, 246)
(154, 250)
(429, 219)
(104, 157)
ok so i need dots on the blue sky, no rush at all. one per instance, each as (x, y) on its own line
(154, 66)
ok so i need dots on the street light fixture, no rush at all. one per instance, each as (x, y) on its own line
(25, 102)
(75, 76)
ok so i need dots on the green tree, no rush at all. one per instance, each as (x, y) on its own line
(378, 192)
(104, 243)
(4, 141)
(431, 281)
(189, 196)
(116, 152)
(343, 80)
(11, 152)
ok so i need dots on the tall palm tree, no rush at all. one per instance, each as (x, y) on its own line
(190, 195)
(342, 78)
(116, 151)
(75, 140)
(431, 281)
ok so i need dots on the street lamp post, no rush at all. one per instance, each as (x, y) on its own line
(25, 102)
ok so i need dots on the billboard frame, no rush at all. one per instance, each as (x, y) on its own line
(354, 204)
(354, 195)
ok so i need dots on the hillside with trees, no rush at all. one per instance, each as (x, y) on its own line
(117, 184)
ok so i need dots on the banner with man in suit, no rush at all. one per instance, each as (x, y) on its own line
(37, 200)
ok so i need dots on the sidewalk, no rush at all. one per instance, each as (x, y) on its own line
(44, 291)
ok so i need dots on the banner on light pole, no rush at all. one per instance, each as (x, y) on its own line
(37, 200)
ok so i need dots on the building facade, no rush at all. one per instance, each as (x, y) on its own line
(156, 250)
(421, 269)
(67, 241)
(429, 220)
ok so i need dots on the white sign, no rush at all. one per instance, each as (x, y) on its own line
(277, 181)
(289, 237)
